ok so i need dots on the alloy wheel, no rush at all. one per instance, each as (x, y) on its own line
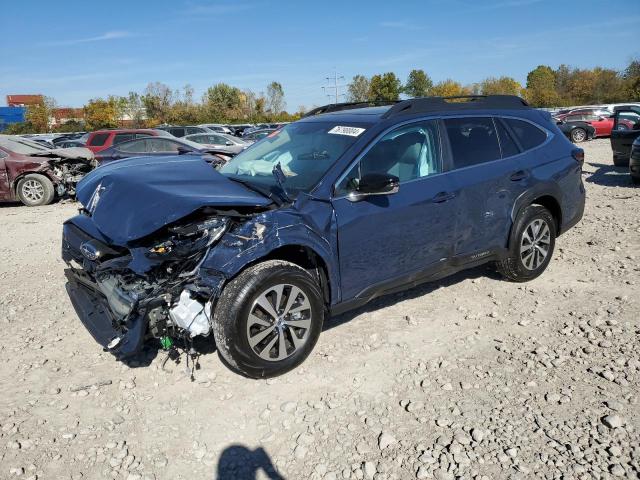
(32, 190)
(535, 243)
(579, 135)
(279, 322)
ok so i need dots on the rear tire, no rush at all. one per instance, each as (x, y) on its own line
(35, 190)
(578, 135)
(259, 344)
(620, 162)
(531, 245)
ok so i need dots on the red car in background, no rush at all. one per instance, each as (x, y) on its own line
(601, 121)
(103, 139)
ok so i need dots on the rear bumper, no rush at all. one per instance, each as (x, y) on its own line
(91, 306)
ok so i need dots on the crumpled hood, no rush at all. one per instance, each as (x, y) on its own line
(129, 199)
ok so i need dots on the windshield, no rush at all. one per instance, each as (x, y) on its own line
(305, 151)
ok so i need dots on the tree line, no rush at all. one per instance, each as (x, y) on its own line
(159, 104)
(545, 87)
(223, 103)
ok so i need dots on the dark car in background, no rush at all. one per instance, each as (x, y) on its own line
(159, 147)
(36, 175)
(318, 218)
(622, 139)
(634, 161)
(103, 139)
(576, 131)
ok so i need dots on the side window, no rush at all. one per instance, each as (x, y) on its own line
(473, 141)
(143, 135)
(98, 139)
(177, 132)
(137, 146)
(528, 135)
(3, 155)
(507, 145)
(122, 137)
(218, 140)
(161, 145)
(409, 152)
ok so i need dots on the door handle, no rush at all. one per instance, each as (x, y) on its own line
(443, 197)
(519, 175)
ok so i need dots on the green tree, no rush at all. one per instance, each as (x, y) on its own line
(157, 101)
(358, 89)
(275, 98)
(631, 77)
(40, 114)
(100, 113)
(541, 87)
(500, 86)
(418, 84)
(450, 88)
(20, 128)
(222, 103)
(385, 87)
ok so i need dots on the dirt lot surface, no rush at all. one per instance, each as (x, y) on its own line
(472, 377)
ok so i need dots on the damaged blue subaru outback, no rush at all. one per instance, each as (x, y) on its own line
(349, 203)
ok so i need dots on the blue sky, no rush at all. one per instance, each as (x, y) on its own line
(77, 50)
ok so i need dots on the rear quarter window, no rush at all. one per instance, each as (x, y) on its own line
(528, 135)
(98, 139)
(122, 137)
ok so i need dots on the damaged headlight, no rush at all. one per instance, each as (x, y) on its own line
(191, 237)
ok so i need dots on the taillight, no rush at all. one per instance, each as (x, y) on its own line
(578, 155)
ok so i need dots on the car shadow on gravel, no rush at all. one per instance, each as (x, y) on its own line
(419, 291)
(238, 462)
(610, 176)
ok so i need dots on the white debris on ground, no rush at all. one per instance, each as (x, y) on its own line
(471, 377)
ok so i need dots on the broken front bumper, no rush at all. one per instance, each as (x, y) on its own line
(92, 307)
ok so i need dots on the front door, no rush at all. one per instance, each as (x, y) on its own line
(5, 185)
(626, 128)
(387, 238)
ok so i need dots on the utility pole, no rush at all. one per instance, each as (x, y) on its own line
(335, 87)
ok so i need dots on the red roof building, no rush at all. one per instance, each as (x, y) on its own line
(24, 100)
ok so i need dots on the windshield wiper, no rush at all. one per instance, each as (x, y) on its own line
(264, 191)
(280, 177)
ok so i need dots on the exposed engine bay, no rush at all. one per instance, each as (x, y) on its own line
(68, 166)
(169, 302)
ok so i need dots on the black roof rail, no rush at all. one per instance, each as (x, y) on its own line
(462, 102)
(336, 107)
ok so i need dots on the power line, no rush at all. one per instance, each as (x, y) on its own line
(335, 88)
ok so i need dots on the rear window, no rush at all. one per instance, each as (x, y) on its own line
(98, 139)
(528, 135)
(473, 141)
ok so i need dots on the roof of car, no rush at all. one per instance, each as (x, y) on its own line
(359, 112)
(123, 130)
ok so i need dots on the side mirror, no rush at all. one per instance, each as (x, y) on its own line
(182, 150)
(228, 143)
(600, 119)
(375, 184)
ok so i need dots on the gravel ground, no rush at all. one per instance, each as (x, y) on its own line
(471, 377)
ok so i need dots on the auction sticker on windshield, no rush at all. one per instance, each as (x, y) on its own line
(351, 131)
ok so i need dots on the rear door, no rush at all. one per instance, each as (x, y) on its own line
(488, 175)
(626, 128)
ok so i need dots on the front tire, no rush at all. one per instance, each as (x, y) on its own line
(268, 319)
(531, 245)
(578, 135)
(35, 190)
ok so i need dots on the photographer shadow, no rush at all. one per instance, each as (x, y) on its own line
(238, 462)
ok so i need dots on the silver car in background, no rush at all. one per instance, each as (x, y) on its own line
(220, 141)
